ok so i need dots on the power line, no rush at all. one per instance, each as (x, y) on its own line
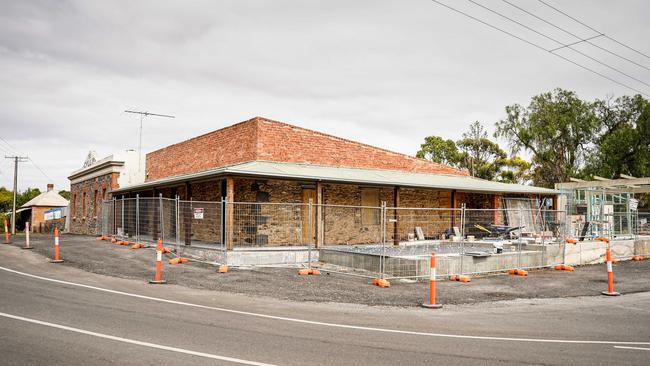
(538, 46)
(41, 170)
(12, 149)
(560, 42)
(575, 35)
(15, 151)
(591, 28)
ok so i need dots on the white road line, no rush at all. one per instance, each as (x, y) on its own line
(637, 348)
(133, 341)
(325, 324)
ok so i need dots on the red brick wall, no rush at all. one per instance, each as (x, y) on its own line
(230, 145)
(263, 139)
(282, 142)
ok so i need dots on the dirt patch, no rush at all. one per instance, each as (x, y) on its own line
(284, 283)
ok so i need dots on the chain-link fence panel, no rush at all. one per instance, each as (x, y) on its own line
(201, 223)
(269, 224)
(354, 236)
(642, 227)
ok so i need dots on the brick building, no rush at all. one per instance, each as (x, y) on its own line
(95, 182)
(45, 211)
(260, 161)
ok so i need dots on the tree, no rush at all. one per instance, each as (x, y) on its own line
(6, 199)
(24, 197)
(439, 150)
(622, 144)
(515, 170)
(65, 194)
(557, 128)
(481, 156)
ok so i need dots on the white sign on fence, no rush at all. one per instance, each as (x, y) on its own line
(198, 213)
(634, 204)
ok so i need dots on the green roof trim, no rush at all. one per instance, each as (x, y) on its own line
(280, 170)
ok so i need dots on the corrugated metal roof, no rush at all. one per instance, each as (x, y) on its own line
(47, 199)
(272, 169)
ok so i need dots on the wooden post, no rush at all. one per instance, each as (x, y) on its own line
(496, 204)
(230, 198)
(395, 216)
(319, 214)
(453, 205)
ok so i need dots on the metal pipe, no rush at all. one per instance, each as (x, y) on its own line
(309, 231)
(137, 218)
(162, 224)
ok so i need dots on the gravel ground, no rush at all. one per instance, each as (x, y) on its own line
(283, 283)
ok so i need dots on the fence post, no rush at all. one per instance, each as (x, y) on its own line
(310, 226)
(104, 220)
(461, 251)
(382, 222)
(137, 218)
(177, 202)
(463, 213)
(381, 281)
(222, 223)
(27, 246)
(521, 231)
(122, 218)
(162, 217)
(114, 231)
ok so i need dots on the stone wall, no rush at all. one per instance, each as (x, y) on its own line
(433, 222)
(344, 225)
(85, 221)
(206, 196)
(272, 213)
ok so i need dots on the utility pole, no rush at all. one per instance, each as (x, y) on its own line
(16, 159)
(142, 115)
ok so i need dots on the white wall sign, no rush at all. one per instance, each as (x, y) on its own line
(198, 213)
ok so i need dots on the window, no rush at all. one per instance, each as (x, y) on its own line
(83, 204)
(104, 194)
(370, 197)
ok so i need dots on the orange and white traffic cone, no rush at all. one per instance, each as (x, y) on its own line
(432, 285)
(610, 276)
(57, 254)
(159, 254)
(7, 240)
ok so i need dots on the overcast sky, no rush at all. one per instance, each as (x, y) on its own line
(387, 73)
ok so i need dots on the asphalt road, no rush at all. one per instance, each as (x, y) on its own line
(45, 322)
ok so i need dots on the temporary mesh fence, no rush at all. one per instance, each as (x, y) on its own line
(390, 242)
(270, 224)
(642, 223)
(354, 229)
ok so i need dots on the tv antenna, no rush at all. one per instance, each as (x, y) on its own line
(142, 115)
